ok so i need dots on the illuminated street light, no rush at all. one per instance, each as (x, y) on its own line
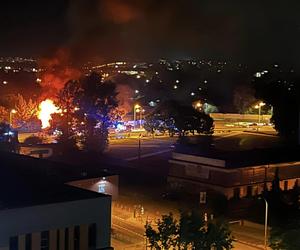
(266, 223)
(258, 75)
(136, 109)
(13, 111)
(258, 106)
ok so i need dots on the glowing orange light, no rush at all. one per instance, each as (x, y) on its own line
(46, 109)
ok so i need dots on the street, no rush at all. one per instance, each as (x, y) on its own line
(128, 232)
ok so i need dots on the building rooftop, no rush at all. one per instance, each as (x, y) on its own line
(243, 150)
(27, 181)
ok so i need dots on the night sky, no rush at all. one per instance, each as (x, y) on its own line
(253, 32)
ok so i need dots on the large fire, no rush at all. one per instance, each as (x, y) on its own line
(46, 109)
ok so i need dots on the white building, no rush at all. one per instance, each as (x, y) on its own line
(38, 211)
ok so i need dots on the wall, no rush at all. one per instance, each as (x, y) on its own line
(189, 172)
(34, 219)
(240, 117)
(111, 185)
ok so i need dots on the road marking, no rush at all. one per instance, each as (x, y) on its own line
(260, 134)
(134, 146)
(148, 155)
(228, 135)
(128, 230)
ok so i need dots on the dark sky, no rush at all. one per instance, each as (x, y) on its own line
(250, 31)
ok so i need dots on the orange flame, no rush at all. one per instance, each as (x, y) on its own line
(46, 109)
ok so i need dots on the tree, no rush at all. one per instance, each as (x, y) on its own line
(88, 105)
(157, 122)
(3, 114)
(191, 232)
(281, 89)
(276, 182)
(173, 116)
(67, 121)
(26, 111)
(96, 100)
(8, 138)
(219, 236)
(286, 235)
(166, 235)
(244, 98)
(151, 124)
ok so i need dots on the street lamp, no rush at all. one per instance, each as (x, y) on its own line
(266, 223)
(13, 111)
(198, 105)
(141, 117)
(258, 106)
(136, 109)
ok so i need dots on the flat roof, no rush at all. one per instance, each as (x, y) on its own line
(27, 181)
(242, 149)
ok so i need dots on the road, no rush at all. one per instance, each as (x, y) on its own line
(152, 155)
(128, 232)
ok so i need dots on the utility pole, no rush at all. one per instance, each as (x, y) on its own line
(139, 150)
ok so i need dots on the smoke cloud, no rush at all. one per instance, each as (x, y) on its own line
(57, 71)
(118, 12)
(124, 97)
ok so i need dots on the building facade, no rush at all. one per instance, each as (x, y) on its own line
(74, 225)
(40, 211)
(195, 174)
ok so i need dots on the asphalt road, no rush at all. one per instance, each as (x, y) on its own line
(152, 156)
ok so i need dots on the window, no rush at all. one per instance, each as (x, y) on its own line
(102, 187)
(236, 193)
(92, 236)
(249, 191)
(45, 240)
(13, 243)
(28, 242)
(67, 238)
(57, 240)
(76, 237)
